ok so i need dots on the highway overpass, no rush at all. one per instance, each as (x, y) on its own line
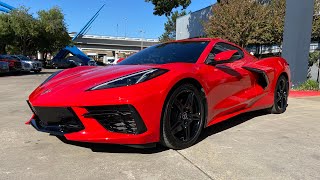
(94, 45)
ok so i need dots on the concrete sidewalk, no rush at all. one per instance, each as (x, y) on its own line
(250, 146)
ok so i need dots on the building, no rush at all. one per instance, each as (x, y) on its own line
(191, 25)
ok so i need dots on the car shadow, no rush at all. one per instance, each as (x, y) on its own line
(230, 123)
(115, 148)
(157, 148)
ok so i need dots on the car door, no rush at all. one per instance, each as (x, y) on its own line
(229, 83)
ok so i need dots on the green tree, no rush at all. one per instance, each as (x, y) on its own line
(275, 16)
(24, 27)
(53, 34)
(247, 22)
(165, 7)
(170, 27)
(6, 33)
(21, 33)
(316, 21)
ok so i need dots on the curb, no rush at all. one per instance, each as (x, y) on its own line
(294, 93)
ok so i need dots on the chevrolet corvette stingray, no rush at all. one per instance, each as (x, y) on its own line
(167, 93)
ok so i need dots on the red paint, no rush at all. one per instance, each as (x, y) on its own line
(121, 59)
(226, 55)
(229, 89)
(294, 93)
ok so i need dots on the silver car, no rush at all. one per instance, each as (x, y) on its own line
(92, 63)
(35, 66)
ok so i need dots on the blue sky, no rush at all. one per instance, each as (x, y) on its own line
(136, 14)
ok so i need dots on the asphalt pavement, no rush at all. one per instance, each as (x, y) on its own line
(250, 146)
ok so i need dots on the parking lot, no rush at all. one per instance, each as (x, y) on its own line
(250, 146)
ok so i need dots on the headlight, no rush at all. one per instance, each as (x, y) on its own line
(131, 79)
(50, 77)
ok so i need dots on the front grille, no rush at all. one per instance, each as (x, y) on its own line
(26, 65)
(120, 118)
(56, 119)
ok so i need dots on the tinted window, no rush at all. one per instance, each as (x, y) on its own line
(187, 52)
(220, 47)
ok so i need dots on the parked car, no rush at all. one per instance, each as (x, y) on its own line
(69, 62)
(4, 67)
(14, 65)
(167, 93)
(36, 66)
(25, 67)
(109, 60)
(63, 63)
(92, 63)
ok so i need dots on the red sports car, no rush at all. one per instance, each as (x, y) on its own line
(166, 93)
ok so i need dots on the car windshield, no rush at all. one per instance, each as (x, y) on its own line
(187, 52)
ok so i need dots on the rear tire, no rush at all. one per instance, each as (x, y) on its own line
(182, 118)
(281, 93)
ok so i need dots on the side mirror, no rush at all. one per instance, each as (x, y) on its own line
(225, 55)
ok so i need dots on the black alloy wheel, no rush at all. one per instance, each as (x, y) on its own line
(183, 117)
(281, 96)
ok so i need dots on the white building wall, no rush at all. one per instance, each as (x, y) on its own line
(191, 25)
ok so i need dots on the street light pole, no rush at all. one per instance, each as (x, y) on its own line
(125, 27)
(117, 30)
(142, 36)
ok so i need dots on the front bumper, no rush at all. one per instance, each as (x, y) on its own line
(146, 115)
(26, 68)
(35, 66)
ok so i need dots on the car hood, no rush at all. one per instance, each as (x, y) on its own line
(80, 79)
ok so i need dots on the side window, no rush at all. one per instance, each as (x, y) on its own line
(221, 47)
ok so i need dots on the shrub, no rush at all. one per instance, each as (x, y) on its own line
(310, 85)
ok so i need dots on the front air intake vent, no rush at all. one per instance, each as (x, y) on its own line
(120, 118)
(56, 120)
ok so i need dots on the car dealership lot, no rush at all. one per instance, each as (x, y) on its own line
(250, 146)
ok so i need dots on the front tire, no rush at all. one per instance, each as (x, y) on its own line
(281, 93)
(182, 118)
